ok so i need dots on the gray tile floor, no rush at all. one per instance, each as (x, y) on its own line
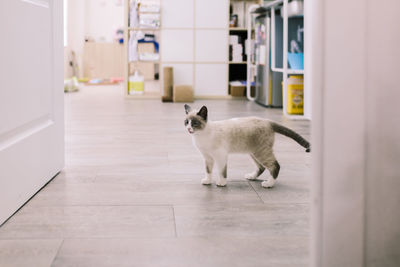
(130, 194)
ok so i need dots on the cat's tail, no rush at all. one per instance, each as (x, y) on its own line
(292, 134)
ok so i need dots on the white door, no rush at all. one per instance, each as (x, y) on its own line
(31, 99)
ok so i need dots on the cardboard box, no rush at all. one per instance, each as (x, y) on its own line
(168, 85)
(237, 90)
(145, 68)
(183, 93)
(146, 48)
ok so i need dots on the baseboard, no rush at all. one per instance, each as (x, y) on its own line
(217, 97)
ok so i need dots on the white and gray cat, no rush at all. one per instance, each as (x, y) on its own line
(253, 136)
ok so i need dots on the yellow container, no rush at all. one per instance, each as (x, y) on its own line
(295, 95)
(136, 87)
(136, 84)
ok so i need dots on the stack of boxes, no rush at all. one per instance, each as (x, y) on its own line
(235, 49)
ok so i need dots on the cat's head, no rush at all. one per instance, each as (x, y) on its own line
(195, 121)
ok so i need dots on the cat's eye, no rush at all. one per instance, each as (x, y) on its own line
(186, 122)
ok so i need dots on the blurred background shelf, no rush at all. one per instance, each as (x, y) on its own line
(234, 29)
(143, 40)
(143, 29)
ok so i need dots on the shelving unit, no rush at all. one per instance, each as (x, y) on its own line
(127, 63)
(285, 69)
(195, 44)
(194, 41)
(237, 70)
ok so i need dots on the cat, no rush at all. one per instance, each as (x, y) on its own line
(251, 135)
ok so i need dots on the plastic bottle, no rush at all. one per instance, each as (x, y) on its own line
(136, 84)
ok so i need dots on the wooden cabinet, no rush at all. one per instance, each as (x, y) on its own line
(103, 60)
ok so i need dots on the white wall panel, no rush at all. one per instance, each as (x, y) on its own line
(211, 80)
(212, 14)
(177, 45)
(183, 73)
(211, 46)
(177, 13)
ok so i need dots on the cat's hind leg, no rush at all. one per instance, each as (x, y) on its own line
(209, 162)
(269, 161)
(273, 168)
(256, 173)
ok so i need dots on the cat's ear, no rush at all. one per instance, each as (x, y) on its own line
(187, 108)
(203, 113)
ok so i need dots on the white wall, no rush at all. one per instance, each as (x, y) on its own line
(97, 19)
(356, 130)
(76, 34)
(103, 18)
(382, 170)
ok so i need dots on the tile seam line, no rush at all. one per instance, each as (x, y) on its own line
(259, 197)
(58, 251)
(173, 214)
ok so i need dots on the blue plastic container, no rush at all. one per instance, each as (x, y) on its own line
(296, 61)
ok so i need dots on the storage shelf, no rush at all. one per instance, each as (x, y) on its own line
(237, 67)
(285, 70)
(289, 71)
(237, 29)
(143, 29)
(150, 90)
(194, 28)
(149, 12)
(148, 61)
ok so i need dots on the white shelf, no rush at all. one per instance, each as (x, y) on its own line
(240, 62)
(127, 63)
(233, 29)
(149, 12)
(148, 61)
(289, 71)
(143, 29)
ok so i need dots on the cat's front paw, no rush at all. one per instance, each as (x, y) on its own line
(221, 182)
(268, 183)
(251, 176)
(206, 181)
